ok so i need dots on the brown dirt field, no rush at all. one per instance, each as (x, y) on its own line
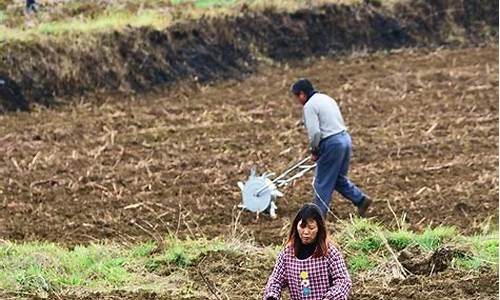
(424, 125)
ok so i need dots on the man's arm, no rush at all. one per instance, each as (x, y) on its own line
(311, 121)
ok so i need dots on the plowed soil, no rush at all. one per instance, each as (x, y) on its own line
(424, 125)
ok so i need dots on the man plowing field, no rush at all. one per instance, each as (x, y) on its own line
(330, 146)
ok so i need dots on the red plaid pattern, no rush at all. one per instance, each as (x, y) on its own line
(314, 278)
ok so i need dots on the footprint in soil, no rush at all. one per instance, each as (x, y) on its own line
(463, 208)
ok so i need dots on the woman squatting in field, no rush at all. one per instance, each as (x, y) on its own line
(310, 266)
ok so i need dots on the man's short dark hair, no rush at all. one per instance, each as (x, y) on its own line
(302, 85)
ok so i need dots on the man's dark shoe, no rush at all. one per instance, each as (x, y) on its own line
(363, 207)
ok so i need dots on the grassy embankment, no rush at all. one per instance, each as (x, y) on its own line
(61, 18)
(42, 268)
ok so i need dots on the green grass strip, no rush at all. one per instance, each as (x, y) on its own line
(38, 268)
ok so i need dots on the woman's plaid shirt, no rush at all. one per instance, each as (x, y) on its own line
(313, 278)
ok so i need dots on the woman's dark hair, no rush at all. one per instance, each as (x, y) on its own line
(302, 85)
(309, 211)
